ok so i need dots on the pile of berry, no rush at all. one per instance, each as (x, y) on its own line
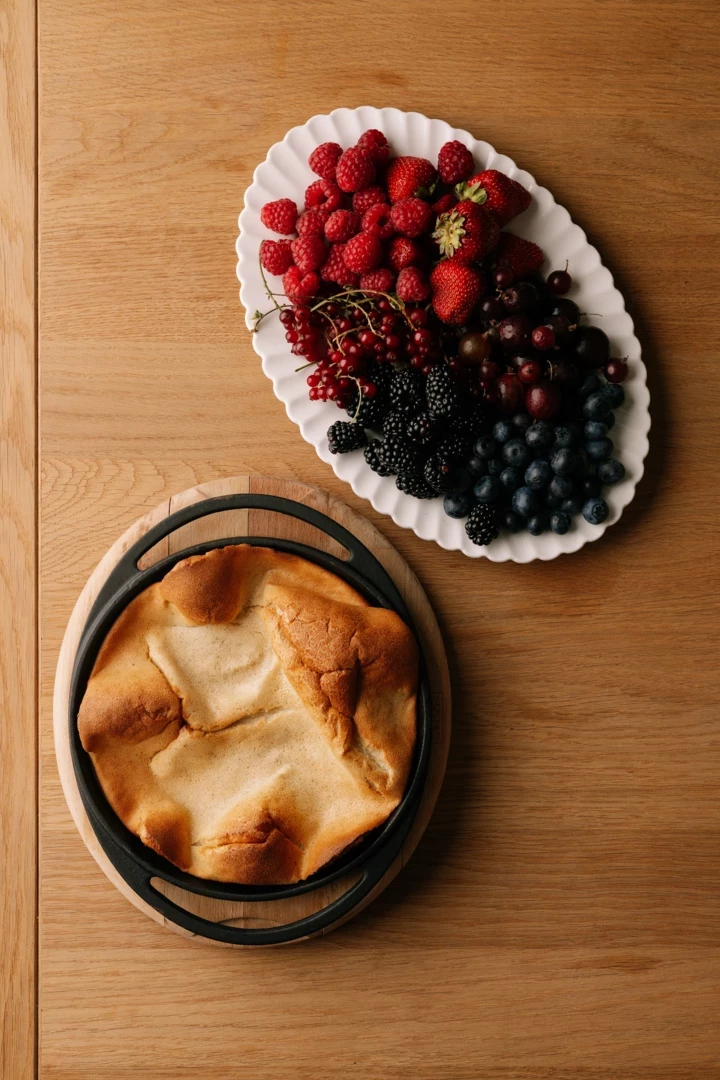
(464, 373)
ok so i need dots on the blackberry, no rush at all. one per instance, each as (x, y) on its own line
(399, 456)
(344, 437)
(414, 485)
(394, 424)
(368, 412)
(422, 429)
(454, 447)
(473, 422)
(481, 525)
(406, 392)
(441, 474)
(375, 460)
(442, 392)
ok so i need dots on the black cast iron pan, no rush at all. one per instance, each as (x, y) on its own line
(138, 864)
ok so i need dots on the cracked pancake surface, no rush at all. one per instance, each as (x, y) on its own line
(250, 715)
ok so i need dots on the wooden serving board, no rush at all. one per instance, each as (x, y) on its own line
(258, 523)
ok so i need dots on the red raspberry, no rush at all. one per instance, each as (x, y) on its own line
(376, 221)
(323, 193)
(376, 145)
(280, 216)
(363, 200)
(341, 225)
(309, 253)
(402, 252)
(298, 286)
(362, 253)
(312, 222)
(412, 285)
(381, 280)
(443, 204)
(455, 162)
(355, 170)
(276, 256)
(411, 217)
(335, 270)
(324, 159)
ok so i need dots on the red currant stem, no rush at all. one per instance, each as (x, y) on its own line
(302, 367)
(267, 287)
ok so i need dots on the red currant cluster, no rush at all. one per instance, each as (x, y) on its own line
(347, 335)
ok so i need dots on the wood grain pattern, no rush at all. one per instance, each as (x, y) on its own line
(18, 609)
(561, 917)
(242, 522)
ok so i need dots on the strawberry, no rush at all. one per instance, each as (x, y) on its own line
(467, 232)
(456, 289)
(410, 176)
(505, 197)
(522, 256)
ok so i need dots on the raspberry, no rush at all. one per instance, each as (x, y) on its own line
(362, 253)
(363, 200)
(335, 270)
(280, 216)
(341, 225)
(402, 252)
(308, 252)
(381, 280)
(455, 162)
(324, 159)
(411, 217)
(312, 222)
(376, 145)
(299, 287)
(355, 170)
(443, 205)
(412, 285)
(276, 256)
(323, 193)
(376, 221)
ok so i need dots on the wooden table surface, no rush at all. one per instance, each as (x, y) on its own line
(561, 918)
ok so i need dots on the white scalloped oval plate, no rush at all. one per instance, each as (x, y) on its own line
(285, 172)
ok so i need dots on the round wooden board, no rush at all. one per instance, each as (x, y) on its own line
(257, 523)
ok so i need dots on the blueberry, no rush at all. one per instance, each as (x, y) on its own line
(502, 431)
(595, 511)
(540, 436)
(464, 480)
(597, 406)
(537, 524)
(595, 429)
(590, 487)
(553, 502)
(610, 471)
(614, 393)
(524, 501)
(485, 447)
(521, 421)
(599, 449)
(476, 467)
(567, 435)
(516, 452)
(564, 462)
(511, 478)
(573, 505)
(495, 466)
(457, 504)
(610, 421)
(589, 386)
(560, 522)
(538, 475)
(487, 489)
(561, 486)
(512, 521)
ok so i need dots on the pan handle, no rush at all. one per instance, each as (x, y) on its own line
(360, 559)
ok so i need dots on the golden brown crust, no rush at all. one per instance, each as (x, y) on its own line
(250, 716)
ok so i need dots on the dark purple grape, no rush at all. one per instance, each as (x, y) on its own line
(559, 282)
(591, 347)
(492, 308)
(567, 308)
(520, 297)
(514, 332)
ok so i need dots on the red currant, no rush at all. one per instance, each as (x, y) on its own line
(419, 317)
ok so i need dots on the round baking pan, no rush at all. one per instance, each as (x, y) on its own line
(138, 865)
